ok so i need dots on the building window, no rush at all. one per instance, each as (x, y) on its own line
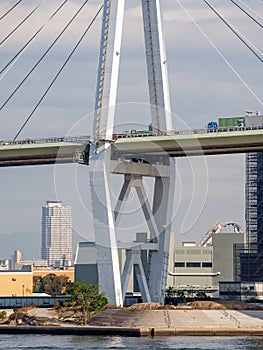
(193, 264)
(206, 252)
(180, 252)
(206, 264)
(194, 251)
(179, 264)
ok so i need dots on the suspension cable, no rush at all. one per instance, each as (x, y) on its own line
(233, 30)
(26, 18)
(253, 93)
(10, 10)
(29, 41)
(250, 9)
(58, 73)
(248, 14)
(44, 54)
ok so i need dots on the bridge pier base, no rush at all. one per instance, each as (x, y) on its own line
(158, 217)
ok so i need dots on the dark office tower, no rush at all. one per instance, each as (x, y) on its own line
(251, 255)
(260, 203)
(254, 198)
(251, 196)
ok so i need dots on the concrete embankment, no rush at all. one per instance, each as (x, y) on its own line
(129, 332)
(184, 322)
(139, 323)
(206, 332)
(75, 330)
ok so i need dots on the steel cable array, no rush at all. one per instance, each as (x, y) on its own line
(32, 38)
(248, 14)
(58, 73)
(240, 37)
(44, 54)
(11, 9)
(19, 24)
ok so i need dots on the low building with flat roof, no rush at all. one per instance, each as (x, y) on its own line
(16, 283)
(202, 266)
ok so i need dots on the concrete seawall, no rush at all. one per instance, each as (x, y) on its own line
(129, 332)
(150, 323)
(75, 330)
(206, 332)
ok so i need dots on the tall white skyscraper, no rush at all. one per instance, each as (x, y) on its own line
(56, 244)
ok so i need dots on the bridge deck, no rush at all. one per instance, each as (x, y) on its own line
(48, 151)
(203, 143)
(178, 144)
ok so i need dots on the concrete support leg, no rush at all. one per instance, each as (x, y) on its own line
(122, 198)
(156, 66)
(104, 227)
(133, 259)
(148, 214)
(126, 274)
(163, 213)
(141, 278)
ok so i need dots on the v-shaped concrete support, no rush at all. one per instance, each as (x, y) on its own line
(133, 259)
(136, 182)
(158, 218)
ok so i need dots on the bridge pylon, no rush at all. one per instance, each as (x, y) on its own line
(158, 215)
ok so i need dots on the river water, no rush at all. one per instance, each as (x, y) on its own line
(50, 342)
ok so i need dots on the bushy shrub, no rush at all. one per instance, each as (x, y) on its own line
(3, 315)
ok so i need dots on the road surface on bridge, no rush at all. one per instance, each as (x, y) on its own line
(177, 144)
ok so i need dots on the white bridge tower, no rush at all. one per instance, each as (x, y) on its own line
(158, 214)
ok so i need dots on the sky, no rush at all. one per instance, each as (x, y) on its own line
(211, 75)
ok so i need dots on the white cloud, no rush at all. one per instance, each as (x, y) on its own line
(226, 89)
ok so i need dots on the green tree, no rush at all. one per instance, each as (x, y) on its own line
(38, 284)
(3, 315)
(170, 292)
(202, 295)
(180, 295)
(86, 298)
(50, 284)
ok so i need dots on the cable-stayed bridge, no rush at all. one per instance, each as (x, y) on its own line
(135, 156)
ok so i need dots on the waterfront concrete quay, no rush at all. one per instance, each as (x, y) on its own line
(139, 323)
(184, 322)
(130, 332)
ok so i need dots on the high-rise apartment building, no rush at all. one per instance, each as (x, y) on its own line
(16, 257)
(56, 243)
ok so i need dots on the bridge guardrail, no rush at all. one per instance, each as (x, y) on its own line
(46, 140)
(185, 132)
(84, 138)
